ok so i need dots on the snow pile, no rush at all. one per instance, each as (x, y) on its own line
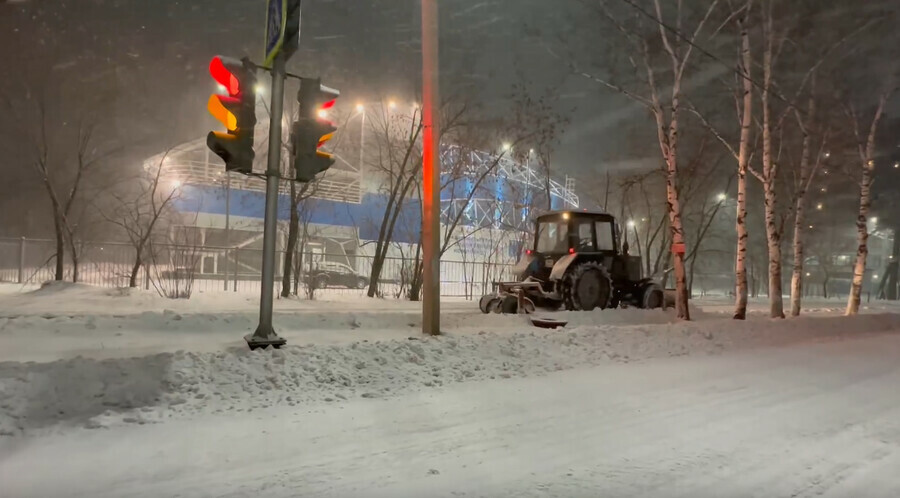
(97, 393)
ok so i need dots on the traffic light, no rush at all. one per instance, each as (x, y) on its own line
(236, 110)
(310, 132)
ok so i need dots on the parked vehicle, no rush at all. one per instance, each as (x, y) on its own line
(326, 274)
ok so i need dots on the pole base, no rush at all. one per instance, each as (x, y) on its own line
(263, 338)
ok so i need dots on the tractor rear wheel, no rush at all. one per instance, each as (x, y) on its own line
(587, 286)
(652, 296)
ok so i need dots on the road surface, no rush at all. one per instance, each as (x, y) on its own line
(813, 419)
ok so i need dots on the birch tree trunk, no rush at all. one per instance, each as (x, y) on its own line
(806, 176)
(769, 177)
(678, 247)
(797, 273)
(740, 265)
(867, 155)
(862, 235)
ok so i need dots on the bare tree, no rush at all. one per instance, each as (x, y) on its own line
(139, 212)
(865, 145)
(399, 162)
(659, 88)
(175, 261)
(803, 178)
(63, 186)
(298, 195)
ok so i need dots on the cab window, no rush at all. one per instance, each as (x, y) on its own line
(605, 241)
(585, 241)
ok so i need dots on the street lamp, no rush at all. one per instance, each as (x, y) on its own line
(873, 220)
(630, 224)
(507, 146)
(392, 105)
(360, 107)
(820, 206)
(721, 197)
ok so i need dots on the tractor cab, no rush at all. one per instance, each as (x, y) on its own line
(583, 234)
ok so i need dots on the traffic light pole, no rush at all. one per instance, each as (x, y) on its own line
(265, 334)
(431, 167)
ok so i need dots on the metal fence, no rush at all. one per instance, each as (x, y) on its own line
(210, 269)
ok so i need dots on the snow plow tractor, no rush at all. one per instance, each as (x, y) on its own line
(577, 262)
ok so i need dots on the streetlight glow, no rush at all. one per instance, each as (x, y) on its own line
(360, 108)
(873, 220)
(630, 223)
(827, 155)
(820, 206)
(392, 104)
(722, 197)
(507, 146)
(259, 88)
(322, 114)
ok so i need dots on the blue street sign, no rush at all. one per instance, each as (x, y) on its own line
(275, 28)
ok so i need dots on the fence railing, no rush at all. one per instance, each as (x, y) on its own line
(229, 269)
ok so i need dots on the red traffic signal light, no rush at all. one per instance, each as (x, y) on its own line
(236, 111)
(225, 76)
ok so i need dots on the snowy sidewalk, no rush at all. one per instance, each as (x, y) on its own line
(96, 393)
(804, 420)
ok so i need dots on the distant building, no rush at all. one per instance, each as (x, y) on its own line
(344, 214)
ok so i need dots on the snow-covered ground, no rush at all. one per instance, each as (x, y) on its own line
(819, 419)
(66, 320)
(116, 393)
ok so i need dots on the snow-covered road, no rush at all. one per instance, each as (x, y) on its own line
(817, 419)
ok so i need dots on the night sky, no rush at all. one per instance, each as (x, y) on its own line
(141, 66)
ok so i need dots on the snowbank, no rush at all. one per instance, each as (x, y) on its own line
(66, 320)
(82, 299)
(96, 393)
